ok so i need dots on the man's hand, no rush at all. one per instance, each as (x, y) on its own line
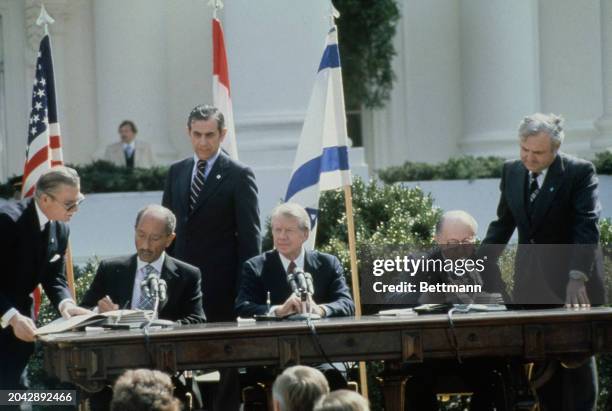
(106, 304)
(70, 309)
(293, 305)
(23, 327)
(316, 309)
(576, 295)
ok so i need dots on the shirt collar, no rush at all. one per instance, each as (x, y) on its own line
(209, 163)
(131, 145)
(157, 264)
(541, 176)
(299, 261)
(42, 218)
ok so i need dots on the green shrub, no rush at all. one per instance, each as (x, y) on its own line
(603, 163)
(460, 168)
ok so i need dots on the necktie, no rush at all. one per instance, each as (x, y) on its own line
(291, 267)
(534, 188)
(146, 302)
(197, 184)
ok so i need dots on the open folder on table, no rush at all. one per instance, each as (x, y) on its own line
(130, 318)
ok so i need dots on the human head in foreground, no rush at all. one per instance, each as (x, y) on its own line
(342, 400)
(144, 390)
(298, 388)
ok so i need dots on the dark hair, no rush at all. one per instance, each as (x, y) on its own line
(206, 112)
(129, 123)
(144, 390)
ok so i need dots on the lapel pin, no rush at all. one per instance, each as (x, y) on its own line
(552, 189)
(218, 176)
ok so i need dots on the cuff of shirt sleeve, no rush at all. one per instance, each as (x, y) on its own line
(7, 317)
(578, 275)
(272, 312)
(63, 303)
(326, 310)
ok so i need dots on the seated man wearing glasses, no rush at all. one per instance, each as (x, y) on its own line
(32, 249)
(452, 274)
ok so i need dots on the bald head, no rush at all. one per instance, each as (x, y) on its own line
(456, 226)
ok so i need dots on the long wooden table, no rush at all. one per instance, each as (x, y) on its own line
(90, 361)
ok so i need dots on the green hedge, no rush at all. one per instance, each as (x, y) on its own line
(104, 177)
(467, 168)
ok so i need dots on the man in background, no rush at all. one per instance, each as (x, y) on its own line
(129, 152)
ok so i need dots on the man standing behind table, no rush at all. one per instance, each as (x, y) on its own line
(215, 202)
(32, 250)
(551, 198)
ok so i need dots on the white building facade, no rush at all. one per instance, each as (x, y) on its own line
(467, 72)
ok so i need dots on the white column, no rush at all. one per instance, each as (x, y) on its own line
(604, 123)
(131, 70)
(500, 70)
(274, 49)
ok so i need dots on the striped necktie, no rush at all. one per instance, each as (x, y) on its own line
(197, 184)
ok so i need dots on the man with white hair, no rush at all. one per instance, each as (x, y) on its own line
(266, 274)
(551, 199)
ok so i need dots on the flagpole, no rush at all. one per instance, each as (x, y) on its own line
(350, 222)
(44, 19)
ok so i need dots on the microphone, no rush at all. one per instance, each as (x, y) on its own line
(153, 285)
(301, 279)
(163, 290)
(292, 283)
(309, 283)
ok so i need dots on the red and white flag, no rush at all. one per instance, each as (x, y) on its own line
(221, 88)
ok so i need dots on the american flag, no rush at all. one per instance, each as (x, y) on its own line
(44, 149)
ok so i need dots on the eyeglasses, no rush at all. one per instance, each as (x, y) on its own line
(465, 241)
(70, 206)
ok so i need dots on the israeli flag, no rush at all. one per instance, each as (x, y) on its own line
(321, 162)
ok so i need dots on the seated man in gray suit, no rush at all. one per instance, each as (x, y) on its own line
(129, 152)
(118, 281)
(268, 273)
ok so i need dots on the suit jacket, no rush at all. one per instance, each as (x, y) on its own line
(30, 257)
(143, 154)
(115, 278)
(561, 233)
(266, 273)
(221, 233)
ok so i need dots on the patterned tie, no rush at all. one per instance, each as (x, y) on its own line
(534, 188)
(197, 184)
(146, 302)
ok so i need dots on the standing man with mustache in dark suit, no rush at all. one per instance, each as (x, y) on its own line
(215, 202)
